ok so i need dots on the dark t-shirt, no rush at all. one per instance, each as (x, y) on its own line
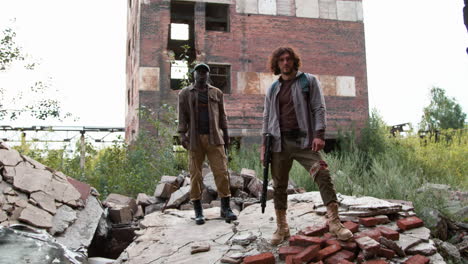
(287, 117)
(203, 115)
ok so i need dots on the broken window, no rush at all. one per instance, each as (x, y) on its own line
(179, 31)
(217, 17)
(220, 76)
(179, 70)
(181, 36)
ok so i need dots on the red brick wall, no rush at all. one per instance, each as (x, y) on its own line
(327, 47)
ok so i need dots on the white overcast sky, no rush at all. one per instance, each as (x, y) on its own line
(411, 45)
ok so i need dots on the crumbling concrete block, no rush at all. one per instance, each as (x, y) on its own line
(36, 217)
(121, 214)
(179, 197)
(118, 200)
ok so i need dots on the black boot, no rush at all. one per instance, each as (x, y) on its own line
(199, 218)
(226, 211)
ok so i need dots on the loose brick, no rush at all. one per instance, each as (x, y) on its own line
(328, 251)
(386, 253)
(417, 259)
(315, 230)
(344, 261)
(327, 236)
(340, 255)
(264, 258)
(368, 244)
(373, 233)
(373, 221)
(389, 233)
(304, 241)
(320, 262)
(353, 227)
(307, 254)
(410, 223)
(290, 259)
(286, 251)
(376, 261)
(330, 242)
(349, 245)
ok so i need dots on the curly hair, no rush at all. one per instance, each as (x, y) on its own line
(273, 62)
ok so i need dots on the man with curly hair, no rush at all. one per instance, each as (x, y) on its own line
(294, 114)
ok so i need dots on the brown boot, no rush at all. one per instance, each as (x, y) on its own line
(282, 231)
(334, 224)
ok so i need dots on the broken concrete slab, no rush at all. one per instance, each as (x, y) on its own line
(33, 162)
(36, 217)
(44, 201)
(8, 173)
(81, 232)
(180, 196)
(64, 192)
(120, 214)
(119, 200)
(168, 179)
(164, 190)
(425, 249)
(210, 184)
(255, 187)
(406, 242)
(31, 180)
(62, 219)
(421, 232)
(10, 157)
(236, 182)
(144, 199)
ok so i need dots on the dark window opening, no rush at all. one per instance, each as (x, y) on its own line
(217, 17)
(220, 76)
(181, 33)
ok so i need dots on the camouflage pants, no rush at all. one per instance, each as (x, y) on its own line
(312, 161)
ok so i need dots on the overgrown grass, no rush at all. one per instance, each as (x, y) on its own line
(386, 167)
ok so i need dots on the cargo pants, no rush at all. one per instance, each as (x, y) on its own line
(218, 164)
(312, 161)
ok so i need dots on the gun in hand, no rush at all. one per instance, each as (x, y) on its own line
(266, 165)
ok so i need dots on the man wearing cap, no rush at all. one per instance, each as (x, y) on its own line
(203, 131)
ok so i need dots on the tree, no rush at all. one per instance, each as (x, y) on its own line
(442, 113)
(15, 104)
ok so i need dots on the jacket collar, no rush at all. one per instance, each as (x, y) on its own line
(297, 74)
(192, 87)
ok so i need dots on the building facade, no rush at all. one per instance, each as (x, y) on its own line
(236, 38)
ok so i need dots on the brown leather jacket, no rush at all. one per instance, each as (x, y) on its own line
(188, 115)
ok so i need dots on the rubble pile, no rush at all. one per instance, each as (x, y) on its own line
(160, 228)
(384, 232)
(40, 197)
(174, 192)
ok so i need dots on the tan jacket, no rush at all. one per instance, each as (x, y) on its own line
(188, 115)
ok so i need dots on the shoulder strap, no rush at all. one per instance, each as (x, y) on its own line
(273, 87)
(304, 82)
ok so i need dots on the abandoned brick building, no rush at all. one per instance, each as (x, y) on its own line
(236, 37)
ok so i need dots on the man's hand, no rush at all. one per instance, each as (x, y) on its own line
(318, 144)
(184, 141)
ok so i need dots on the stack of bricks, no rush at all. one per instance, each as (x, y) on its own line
(317, 245)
